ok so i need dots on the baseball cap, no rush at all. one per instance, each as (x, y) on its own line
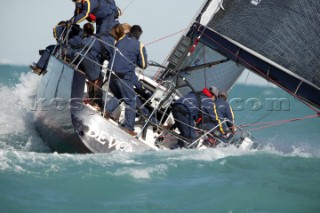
(214, 90)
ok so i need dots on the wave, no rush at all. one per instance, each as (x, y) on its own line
(17, 120)
(138, 165)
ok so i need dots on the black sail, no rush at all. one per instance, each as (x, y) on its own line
(278, 40)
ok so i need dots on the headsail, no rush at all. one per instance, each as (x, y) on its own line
(278, 40)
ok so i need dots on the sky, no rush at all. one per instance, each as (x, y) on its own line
(27, 25)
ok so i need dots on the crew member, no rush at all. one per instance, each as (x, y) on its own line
(143, 94)
(126, 27)
(59, 32)
(103, 12)
(99, 51)
(131, 53)
(212, 115)
(226, 110)
(185, 111)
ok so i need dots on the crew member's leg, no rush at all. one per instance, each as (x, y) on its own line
(129, 97)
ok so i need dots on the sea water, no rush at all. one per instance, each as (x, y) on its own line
(282, 176)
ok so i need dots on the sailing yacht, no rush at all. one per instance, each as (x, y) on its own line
(276, 40)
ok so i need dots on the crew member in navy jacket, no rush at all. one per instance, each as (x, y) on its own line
(91, 64)
(226, 110)
(185, 111)
(198, 108)
(213, 115)
(131, 53)
(103, 12)
(59, 32)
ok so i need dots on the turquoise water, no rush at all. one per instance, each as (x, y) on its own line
(284, 176)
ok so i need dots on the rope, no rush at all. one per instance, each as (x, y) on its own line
(205, 69)
(260, 96)
(126, 7)
(275, 123)
(173, 34)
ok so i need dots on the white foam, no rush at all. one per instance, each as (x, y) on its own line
(16, 116)
(142, 173)
(211, 154)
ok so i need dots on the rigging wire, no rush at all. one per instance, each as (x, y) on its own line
(281, 121)
(126, 7)
(165, 37)
(245, 81)
(263, 116)
(205, 69)
(276, 123)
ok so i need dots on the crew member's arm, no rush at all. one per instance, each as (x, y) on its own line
(58, 30)
(142, 58)
(86, 9)
(230, 116)
(76, 42)
(218, 115)
(137, 83)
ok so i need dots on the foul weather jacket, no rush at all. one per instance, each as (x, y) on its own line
(93, 9)
(226, 111)
(131, 53)
(185, 111)
(188, 105)
(211, 115)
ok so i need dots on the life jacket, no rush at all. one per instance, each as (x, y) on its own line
(207, 92)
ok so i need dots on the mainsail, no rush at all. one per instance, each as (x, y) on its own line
(278, 40)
